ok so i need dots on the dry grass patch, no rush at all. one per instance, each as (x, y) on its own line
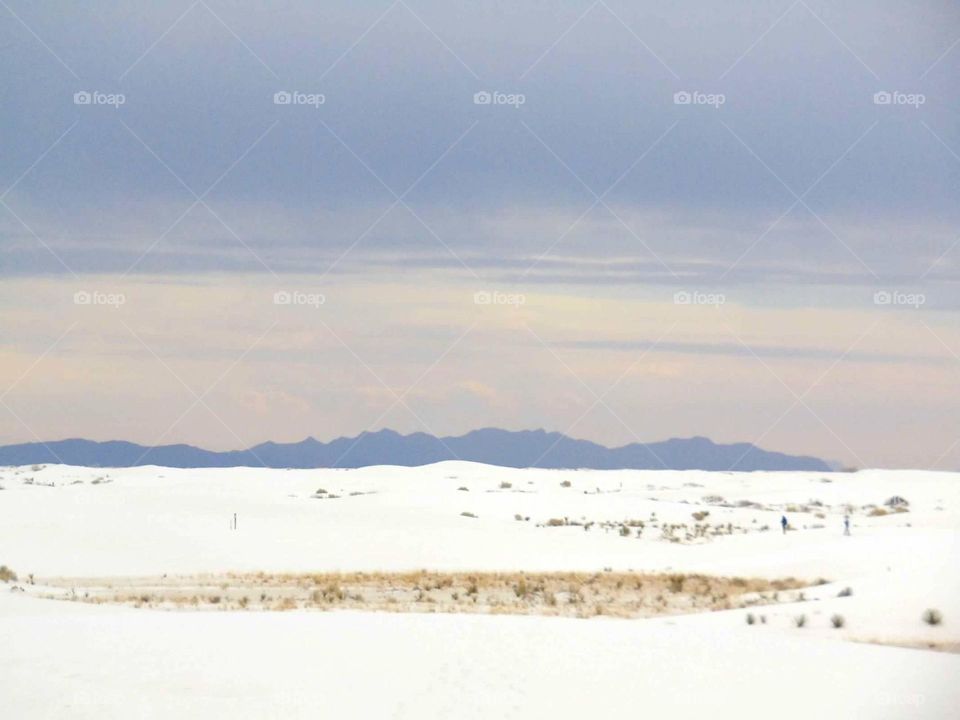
(570, 594)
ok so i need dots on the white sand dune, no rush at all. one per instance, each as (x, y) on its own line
(61, 659)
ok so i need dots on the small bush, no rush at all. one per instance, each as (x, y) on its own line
(932, 616)
(701, 515)
(877, 512)
(463, 489)
(800, 620)
(837, 621)
(7, 575)
(556, 522)
(751, 619)
(505, 485)
(846, 592)
(467, 514)
(565, 483)
(518, 517)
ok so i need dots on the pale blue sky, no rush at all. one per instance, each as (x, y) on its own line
(798, 195)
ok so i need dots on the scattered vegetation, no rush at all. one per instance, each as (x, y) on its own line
(570, 594)
(846, 592)
(751, 619)
(565, 483)
(467, 514)
(837, 621)
(506, 485)
(800, 621)
(932, 616)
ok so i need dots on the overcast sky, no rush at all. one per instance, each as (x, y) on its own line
(733, 219)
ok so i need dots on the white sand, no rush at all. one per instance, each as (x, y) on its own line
(61, 659)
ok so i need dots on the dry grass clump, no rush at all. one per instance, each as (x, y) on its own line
(932, 616)
(837, 621)
(7, 575)
(800, 621)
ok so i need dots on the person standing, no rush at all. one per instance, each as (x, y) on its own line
(783, 523)
(846, 524)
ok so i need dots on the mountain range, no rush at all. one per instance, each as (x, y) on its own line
(525, 448)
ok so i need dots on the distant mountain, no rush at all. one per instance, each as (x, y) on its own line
(526, 448)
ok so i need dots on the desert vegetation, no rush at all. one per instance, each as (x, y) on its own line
(563, 593)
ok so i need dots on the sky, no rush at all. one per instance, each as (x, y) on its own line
(223, 223)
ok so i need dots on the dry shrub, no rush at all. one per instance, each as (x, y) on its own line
(7, 575)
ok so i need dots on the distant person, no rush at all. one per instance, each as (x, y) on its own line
(783, 523)
(846, 524)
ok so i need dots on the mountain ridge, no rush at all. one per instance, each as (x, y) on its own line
(493, 446)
